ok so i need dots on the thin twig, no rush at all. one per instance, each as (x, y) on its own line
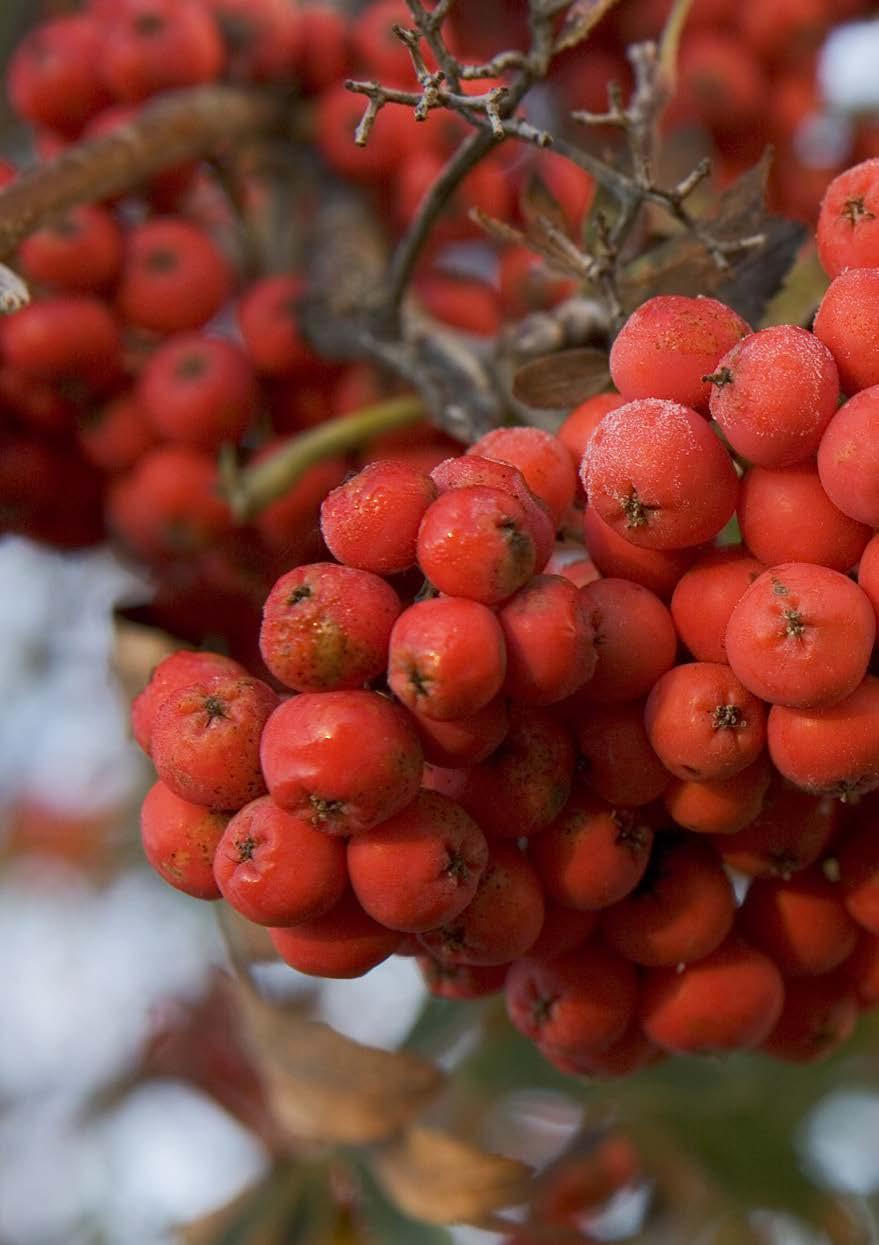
(251, 490)
(179, 126)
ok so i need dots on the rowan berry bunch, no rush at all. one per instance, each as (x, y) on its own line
(536, 765)
(540, 767)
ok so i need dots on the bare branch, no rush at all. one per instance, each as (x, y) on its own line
(179, 126)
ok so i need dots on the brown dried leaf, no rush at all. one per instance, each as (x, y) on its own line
(580, 20)
(325, 1087)
(563, 379)
(497, 229)
(440, 1179)
(758, 275)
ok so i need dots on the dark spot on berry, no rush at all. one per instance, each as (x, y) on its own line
(214, 707)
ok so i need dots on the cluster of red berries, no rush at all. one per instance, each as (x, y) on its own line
(544, 771)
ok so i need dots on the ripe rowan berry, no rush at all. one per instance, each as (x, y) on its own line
(819, 1014)
(848, 458)
(801, 635)
(858, 860)
(705, 596)
(205, 740)
(420, 868)
(342, 760)
(576, 431)
(464, 741)
(372, 520)
(791, 832)
(550, 641)
(168, 506)
(829, 751)
(592, 855)
(719, 805)
(115, 436)
(542, 458)
(447, 657)
(503, 919)
(67, 337)
(180, 841)
(800, 922)
(276, 869)
(576, 1003)
(658, 475)
(614, 555)
(681, 910)
(461, 981)
(79, 251)
(178, 670)
(290, 526)
(868, 574)
(472, 469)
(524, 784)
(847, 233)
(847, 322)
(703, 723)
(326, 627)
(344, 942)
(774, 393)
(475, 542)
(669, 344)
(174, 277)
(730, 1000)
(786, 516)
(323, 46)
(155, 45)
(268, 316)
(635, 639)
(51, 77)
(616, 757)
(198, 391)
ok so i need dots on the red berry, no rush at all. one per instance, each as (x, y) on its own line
(668, 346)
(475, 542)
(719, 805)
(774, 394)
(801, 922)
(52, 77)
(658, 475)
(731, 1000)
(847, 322)
(180, 840)
(447, 657)
(79, 251)
(848, 458)
(618, 761)
(343, 761)
(170, 675)
(275, 869)
(344, 942)
(819, 1014)
(703, 723)
(198, 391)
(681, 910)
(635, 639)
(420, 868)
(205, 740)
(847, 233)
(154, 45)
(592, 855)
(705, 597)
(502, 921)
(174, 276)
(577, 1003)
(372, 520)
(801, 636)
(327, 627)
(542, 458)
(549, 641)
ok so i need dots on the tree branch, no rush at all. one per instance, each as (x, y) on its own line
(250, 491)
(180, 126)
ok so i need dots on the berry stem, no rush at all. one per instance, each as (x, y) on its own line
(251, 490)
